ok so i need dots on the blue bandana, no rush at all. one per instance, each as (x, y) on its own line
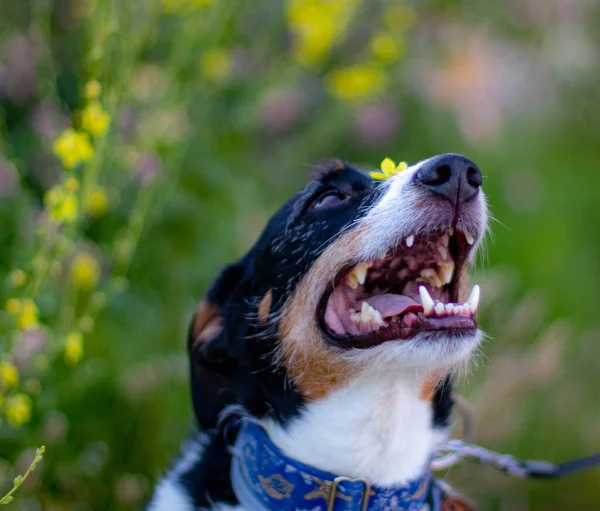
(265, 479)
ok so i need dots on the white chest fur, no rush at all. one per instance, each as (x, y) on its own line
(375, 427)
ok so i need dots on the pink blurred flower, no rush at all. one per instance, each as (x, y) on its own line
(376, 124)
(146, 168)
(281, 109)
(18, 80)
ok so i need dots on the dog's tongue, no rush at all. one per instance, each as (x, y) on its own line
(392, 305)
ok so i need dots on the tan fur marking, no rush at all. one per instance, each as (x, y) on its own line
(264, 307)
(315, 367)
(207, 323)
(428, 388)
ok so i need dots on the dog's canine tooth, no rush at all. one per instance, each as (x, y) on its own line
(451, 231)
(410, 240)
(469, 237)
(426, 301)
(439, 308)
(360, 270)
(473, 299)
(357, 276)
(445, 272)
(445, 239)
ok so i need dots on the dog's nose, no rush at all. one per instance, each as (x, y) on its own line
(452, 176)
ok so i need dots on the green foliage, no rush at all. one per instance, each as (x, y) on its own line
(143, 145)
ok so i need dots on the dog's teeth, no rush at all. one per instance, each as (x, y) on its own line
(370, 314)
(410, 240)
(443, 251)
(473, 299)
(451, 231)
(360, 270)
(431, 276)
(469, 237)
(449, 308)
(357, 276)
(439, 308)
(426, 301)
(445, 239)
(445, 272)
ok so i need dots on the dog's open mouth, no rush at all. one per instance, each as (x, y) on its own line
(413, 288)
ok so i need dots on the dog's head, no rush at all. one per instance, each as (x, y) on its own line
(352, 272)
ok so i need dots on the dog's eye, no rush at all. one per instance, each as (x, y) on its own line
(328, 199)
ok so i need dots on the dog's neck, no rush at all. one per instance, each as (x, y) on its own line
(376, 427)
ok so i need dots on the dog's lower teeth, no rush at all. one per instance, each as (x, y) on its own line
(439, 308)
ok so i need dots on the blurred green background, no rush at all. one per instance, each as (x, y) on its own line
(143, 145)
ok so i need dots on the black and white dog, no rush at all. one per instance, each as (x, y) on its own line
(321, 362)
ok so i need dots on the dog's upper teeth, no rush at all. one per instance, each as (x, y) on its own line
(430, 275)
(426, 301)
(410, 240)
(451, 231)
(443, 251)
(469, 237)
(357, 276)
(473, 299)
(445, 239)
(445, 272)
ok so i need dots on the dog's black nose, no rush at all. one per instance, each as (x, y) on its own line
(452, 176)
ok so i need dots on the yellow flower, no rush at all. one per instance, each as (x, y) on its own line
(71, 184)
(28, 317)
(399, 17)
(61, 204)
(18, 278)
(317, 25)
(85, 271)
(73, 348)
(13, 306)
(356, 82)
(73, 148)
(9, 374)
(386, 48)
(215, 64)
(96, 202)
(94, 119)
(389, 169)
(92, 89)
(18, 409)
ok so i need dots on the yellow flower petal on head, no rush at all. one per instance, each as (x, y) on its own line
(388, 166)
(378, 175)
(401, 166)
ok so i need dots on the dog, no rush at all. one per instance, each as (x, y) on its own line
(322, 361)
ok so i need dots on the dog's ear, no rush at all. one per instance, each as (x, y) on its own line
(211, 361)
